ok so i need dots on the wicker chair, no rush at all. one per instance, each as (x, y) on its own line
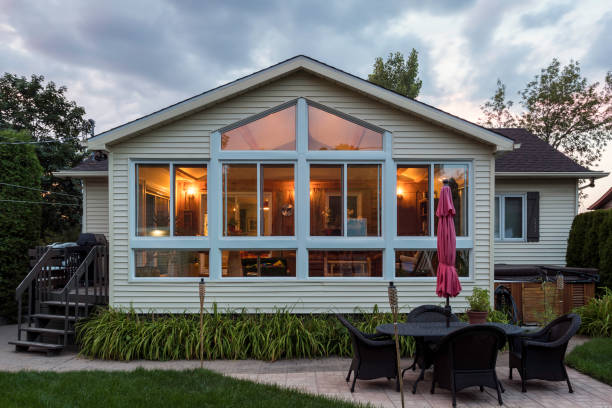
(423, 356)
(373, 356)
(540, 355)
(467, 357)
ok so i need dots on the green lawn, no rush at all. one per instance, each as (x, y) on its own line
(593, 358)
(141, 388)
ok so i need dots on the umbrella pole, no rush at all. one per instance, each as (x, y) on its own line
(447, 310)
(392, 292)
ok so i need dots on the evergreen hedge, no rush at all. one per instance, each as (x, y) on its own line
(19, 221)
(590, 244)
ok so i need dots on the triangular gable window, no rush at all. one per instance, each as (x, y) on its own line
(327, 131)
(274, 131)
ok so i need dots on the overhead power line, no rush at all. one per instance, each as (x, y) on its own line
(38, 202)
(20, 143)
(38, 189)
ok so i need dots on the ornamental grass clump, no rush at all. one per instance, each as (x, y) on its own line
(114, 334)
(596, 315)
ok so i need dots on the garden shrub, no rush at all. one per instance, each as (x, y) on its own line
(590, 244)
(19, 221)
(115, 334)
(597, 316)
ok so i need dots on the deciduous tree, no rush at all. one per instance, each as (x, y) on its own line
(398, 75)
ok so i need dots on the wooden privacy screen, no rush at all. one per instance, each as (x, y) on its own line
(529, 298)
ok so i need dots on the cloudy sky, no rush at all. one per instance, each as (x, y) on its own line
(123, 59)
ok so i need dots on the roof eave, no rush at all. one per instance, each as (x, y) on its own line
(551, 174)
(80, 174)
(191, 105)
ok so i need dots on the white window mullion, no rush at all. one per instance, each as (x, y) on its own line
(389, 209)
(301, 210)
(344, 194)
(172, 199)
(431, 201)
(259, 206)
(215, 208)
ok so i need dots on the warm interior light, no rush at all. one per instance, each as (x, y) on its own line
(400, 192)
(158, 233)
(266, 205)
(191, 191)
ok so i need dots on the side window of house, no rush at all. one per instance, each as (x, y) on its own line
(510, 217)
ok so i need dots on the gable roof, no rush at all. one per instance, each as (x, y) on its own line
(603, 200)
(536, 156)
(285, 68)
(93, 166)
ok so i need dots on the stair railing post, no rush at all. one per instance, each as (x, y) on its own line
(66, 319)
(19, 317)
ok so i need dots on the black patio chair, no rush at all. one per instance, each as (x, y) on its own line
(505, 303)
(423, 314)
(541, 355)
(466, 358)
(373, 356)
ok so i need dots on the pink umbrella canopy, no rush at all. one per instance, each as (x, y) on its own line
(448, 281)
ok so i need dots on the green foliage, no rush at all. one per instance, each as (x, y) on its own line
(597, 316)
(560, 107)
(479, 300)
(19, 222)
(126, 335)
(549, 314)
(593, 358)
(590, 244)
(498, 316)
(150, 389)
(58, 124)
(398, 75)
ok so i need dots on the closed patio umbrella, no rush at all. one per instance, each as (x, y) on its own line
(448, 282)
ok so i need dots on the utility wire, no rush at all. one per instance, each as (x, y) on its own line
(37, 189)
(20, 143)
(38, 202)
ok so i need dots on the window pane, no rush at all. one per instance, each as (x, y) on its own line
(363, 200)
(327, 131)
(277, 199)
(190, 215)
(153, 200)
(513, 217)
(326, 203)
(425, 263)
(275, 131)
(258, 263)
(170, 263)
(345, 263)
(240, 199)
(497, 217)
(457, 176)
(413, 200)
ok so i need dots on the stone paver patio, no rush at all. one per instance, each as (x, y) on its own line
(326, 377)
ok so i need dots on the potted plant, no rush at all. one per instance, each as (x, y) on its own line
(479, 306)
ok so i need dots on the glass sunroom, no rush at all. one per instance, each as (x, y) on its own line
(298, 192)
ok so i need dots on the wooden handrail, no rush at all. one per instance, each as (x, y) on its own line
(33, 273)
(80, 270)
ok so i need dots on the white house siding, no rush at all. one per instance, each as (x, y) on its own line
(557, 211)
(95, 213)
(414, 139)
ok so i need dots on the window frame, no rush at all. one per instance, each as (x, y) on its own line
(502, 221)
(301, 158)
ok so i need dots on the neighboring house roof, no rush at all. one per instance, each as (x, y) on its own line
(605, 201)
(536, 157)
(93, 166)
(282, 69)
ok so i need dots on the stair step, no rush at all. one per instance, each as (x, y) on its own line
(43, 330)
(61, 303)
(48, 346)
(52, 317)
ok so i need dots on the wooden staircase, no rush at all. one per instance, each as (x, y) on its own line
(64, 285)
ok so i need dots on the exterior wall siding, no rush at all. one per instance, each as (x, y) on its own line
(413, 139)
(96, 205)
(557, 211)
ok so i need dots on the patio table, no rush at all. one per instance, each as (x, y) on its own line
(438, 329)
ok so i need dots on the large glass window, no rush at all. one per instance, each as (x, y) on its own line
(359, 205)
(240, 199)
(413, 200)
(190, 197)
(343, 264)
(510, 217)
(251, 264)
(457, 176)
(277, 199)
(424, 263)
(153, 200)
(275, 131)
(327, 131)
(162, 263)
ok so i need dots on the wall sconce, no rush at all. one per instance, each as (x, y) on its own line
(400, 193)
(266, 205)
(191, 191)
